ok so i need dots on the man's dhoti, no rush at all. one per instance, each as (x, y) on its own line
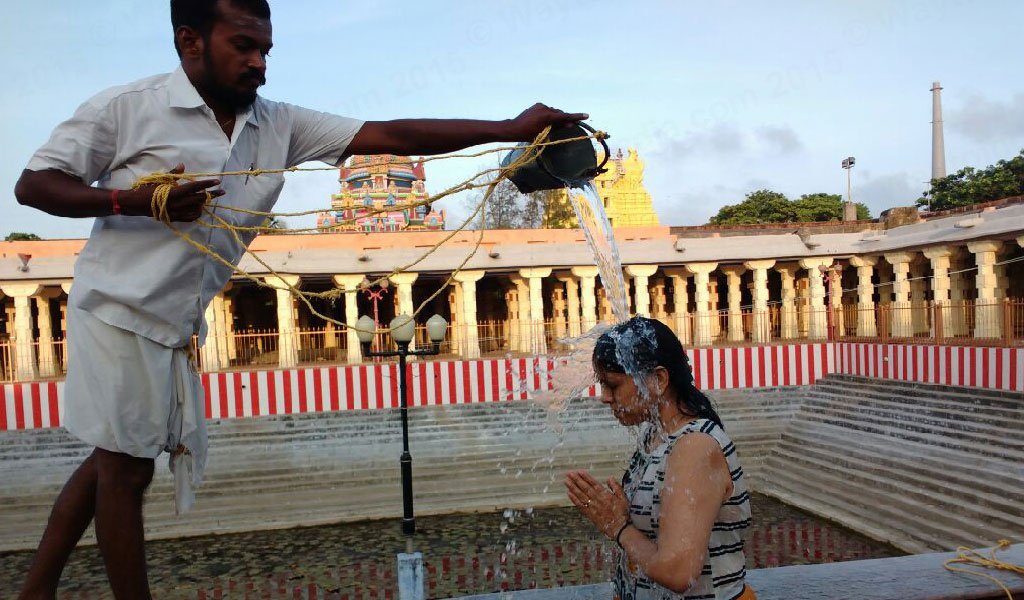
(126, 393)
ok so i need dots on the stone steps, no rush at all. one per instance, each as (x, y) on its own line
(921, 466)
(923, 389)
(906, 427)
(974, 474)
(878, 516)
(938, 508)
(934, 413)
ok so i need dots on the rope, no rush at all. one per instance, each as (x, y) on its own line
(164, 183)
(968, 556)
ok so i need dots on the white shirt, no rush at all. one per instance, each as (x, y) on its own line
(136, 274)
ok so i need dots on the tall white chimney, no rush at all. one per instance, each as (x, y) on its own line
(938, 147)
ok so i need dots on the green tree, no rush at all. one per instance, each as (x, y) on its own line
(812, 208)
(971, 186)
(504, 209)
(766, 206)
(761, 206)
(18, 236)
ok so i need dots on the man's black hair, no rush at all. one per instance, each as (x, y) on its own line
(202, 14)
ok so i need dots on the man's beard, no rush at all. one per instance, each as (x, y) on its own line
(229, 96)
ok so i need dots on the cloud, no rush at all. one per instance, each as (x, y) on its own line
(887, 191)
(727, 140)
(782, 140)
(984, 120)
(722, 139)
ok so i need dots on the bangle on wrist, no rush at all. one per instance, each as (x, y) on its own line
(618, 536)
(115, 206)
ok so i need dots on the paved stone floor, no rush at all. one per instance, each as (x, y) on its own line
(463, 554)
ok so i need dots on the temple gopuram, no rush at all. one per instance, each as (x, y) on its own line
(621, 187)
(379, 194)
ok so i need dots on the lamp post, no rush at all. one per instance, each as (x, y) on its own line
(849, 211)
(403, 330)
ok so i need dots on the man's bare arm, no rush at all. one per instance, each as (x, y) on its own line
(63, 195)
(406, 137)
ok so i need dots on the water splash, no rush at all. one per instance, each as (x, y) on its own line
(589, 208)
(573, 376)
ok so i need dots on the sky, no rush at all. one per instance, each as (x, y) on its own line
(720, 99)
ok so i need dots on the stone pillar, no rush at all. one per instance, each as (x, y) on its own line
(942, 320)
(536, 279)
(588, 299)
(350, 284)
(658, 299)
(714, 301)
(835, 300)
(403, 282)
(225, 313)
(287, 336)
(918, 303)
(1002, 280)
(23, 338)
(66, 287)
(604, 305)
(214, 350)
(403, 299)
(512, 334)
(734, 277)
(788, 309)
(817, 327)
(866, 326)
(572, 294)
(455, 324)
(330, 335)
(558, 311)
(958, 284)
(524, 330)
(642, 296)
(702, 297)
(902, 324)
(681, 303)
(987, 311)
(468, 279)
(761, 326)
(229, 325)
(48, 366)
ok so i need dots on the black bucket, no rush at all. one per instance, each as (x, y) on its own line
(570, 164)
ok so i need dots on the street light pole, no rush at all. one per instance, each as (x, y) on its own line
(849, 210)
(405, 461)
(403, 329)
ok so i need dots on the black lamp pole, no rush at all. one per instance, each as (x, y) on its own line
(405, 461)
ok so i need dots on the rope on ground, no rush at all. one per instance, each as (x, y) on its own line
(968, 556)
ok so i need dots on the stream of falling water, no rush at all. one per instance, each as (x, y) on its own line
(572, 376)
(589, 209)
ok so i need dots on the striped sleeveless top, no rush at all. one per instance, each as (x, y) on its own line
(724, 568)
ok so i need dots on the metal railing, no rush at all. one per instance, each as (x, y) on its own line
(967, 322)
(33, 361)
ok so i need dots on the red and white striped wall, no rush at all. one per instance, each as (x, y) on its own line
(760, 366)
(375, 386)
(967, 366)
(371, 386)
(31, 405)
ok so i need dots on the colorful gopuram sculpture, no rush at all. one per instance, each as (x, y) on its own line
(380, 193)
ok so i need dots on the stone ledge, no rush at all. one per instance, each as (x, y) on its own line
(918, 577)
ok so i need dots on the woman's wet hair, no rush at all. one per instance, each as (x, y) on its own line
(640, 345)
